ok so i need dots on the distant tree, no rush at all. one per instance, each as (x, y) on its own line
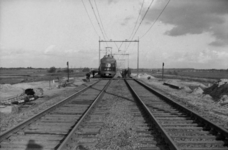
(52, 70)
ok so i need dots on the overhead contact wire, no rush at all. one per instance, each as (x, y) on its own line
(102, 22)
(143, 18)
(89, 17)
(100, 18)
(137, 19)
(141, 21)
(97, 21)
(156, 19)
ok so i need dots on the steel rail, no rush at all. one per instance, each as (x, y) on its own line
(64, 145)
(37, 116)
(165, 135)
(220, 131)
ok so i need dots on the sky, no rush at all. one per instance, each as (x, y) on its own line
(180, 33)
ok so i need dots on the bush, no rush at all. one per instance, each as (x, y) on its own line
(52, 70)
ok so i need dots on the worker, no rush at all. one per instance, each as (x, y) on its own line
(129, 72)
(123, 73)
(93, 72)
(126, 73)
(88, 76)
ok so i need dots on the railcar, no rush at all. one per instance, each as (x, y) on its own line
(107, 66)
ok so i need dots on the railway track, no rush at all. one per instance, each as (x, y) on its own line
(116, 115)
(50, 128)
(181, 128)
(117, 123)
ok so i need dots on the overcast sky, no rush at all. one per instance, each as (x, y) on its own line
(45, 33)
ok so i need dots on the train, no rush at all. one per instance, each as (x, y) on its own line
(107, 66)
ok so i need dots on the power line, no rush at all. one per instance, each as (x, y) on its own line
(101, 21)
(143, 18)
(100, 18)
(97, 20)
(137, 19)
(89, 18)
(156, 19)
(141, 21)
(120, 46)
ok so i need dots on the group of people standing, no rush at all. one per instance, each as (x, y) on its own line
(126, 73)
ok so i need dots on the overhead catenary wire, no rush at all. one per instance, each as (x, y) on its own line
(89, 17)
(141, 22)
(135, 24)
(137, 19)
(102, 22)
(97, 21)
(100, 19)
(120, 46)
(156, 19)
(143, 18)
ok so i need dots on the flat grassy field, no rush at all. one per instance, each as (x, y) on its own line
(197, 74)
(13, 76)
(204, 76)
(211, 75)
(186, 78)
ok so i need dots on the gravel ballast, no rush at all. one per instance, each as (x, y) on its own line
(119, 128)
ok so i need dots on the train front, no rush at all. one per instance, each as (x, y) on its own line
(108, 66)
